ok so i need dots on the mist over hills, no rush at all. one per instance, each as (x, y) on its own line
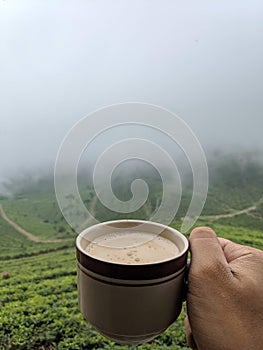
(226, 170)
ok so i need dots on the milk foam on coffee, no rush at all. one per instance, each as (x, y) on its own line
(132, 248)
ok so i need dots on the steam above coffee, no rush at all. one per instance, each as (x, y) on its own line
(132, 248)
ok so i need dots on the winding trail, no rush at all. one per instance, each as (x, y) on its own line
(27, 234)
(236, 212)
(37, 239)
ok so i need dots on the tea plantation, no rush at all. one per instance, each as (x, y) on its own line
(38, 285)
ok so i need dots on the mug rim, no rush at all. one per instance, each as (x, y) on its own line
(132, 271)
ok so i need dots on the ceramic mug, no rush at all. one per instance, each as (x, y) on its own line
(131, 304)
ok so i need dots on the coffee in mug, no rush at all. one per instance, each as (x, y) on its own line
(131, 278)
(132, 248)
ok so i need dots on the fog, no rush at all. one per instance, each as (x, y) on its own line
(61, 60)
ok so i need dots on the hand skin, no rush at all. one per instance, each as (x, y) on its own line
(225, 294)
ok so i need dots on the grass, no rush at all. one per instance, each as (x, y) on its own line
(15, 245)
(39, 308)
(40, 216)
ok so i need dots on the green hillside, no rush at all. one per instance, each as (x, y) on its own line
(38, 290)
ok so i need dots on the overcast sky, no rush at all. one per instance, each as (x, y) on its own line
(60, 60)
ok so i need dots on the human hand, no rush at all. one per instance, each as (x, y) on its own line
(225, 294)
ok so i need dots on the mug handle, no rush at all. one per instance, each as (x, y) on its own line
(185, 285)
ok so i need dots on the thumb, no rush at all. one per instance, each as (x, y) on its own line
(189, 335)
(206, 252)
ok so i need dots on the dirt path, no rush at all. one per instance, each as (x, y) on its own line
(37, 239)
(34, 238)
(27, 234)
(236, 212)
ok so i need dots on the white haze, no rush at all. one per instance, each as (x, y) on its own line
(60, 60)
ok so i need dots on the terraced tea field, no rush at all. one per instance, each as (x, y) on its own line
(38, 289)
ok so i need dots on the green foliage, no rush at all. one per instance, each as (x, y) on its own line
(38, 300)
(246, 236)
(244, 220)
(38, 215)
(15, 245)
(39, 308)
